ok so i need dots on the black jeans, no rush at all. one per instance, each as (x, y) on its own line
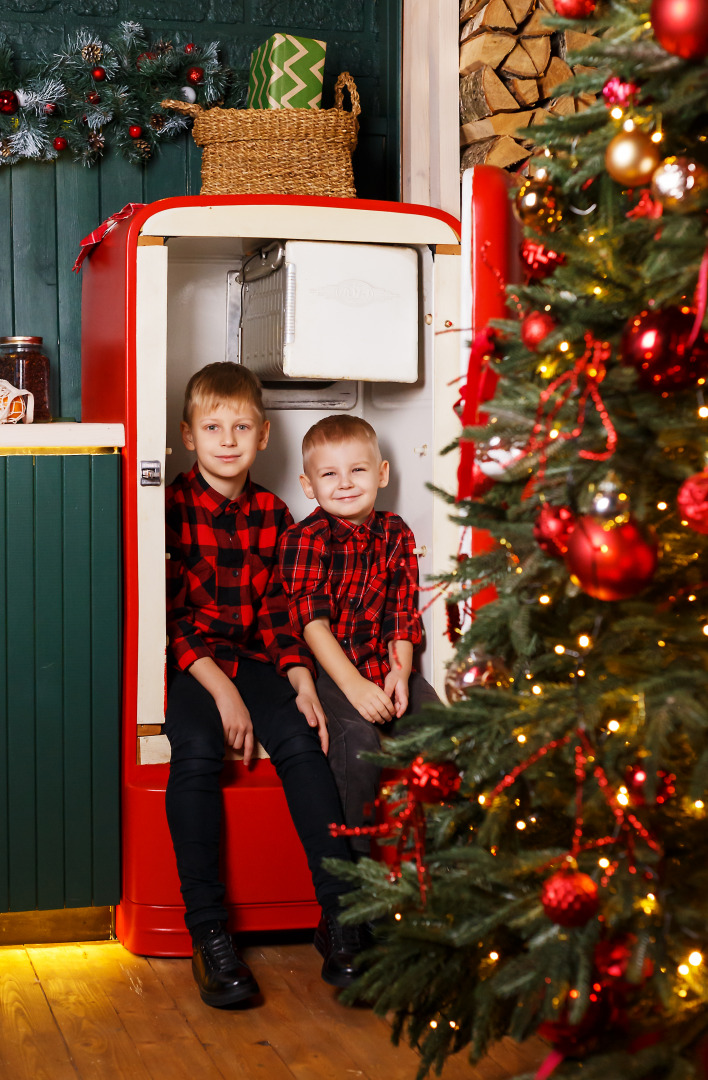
(193, 798)
(350, 735)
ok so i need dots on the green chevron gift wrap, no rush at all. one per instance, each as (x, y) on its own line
(286, 73)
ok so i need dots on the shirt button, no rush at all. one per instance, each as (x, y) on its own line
(234, 573)
(236, 616)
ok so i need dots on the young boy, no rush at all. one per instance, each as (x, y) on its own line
(238, 672)
(351, 575)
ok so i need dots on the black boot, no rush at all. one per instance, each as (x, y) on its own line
(339, 946)
(221, 975)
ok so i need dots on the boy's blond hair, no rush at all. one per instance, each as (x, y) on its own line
(221, 382)
(337, 429)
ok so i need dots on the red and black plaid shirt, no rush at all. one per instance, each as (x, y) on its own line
(225, 598)
(363, 578)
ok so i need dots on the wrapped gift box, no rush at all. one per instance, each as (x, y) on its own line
(286, 73)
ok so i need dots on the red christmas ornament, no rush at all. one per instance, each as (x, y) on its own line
(135, 131)
(51, 108)
(60, 143)
(575, 9)
(430, 782)
(144, 56)
(190, 47)
(552, 529)
(637, 777)
(480, 483)
(616, 92)
(535, 327)
(539, 261)
(692, 501)
(93, 97)
(195, 75)
(610, 560)
(98, 74)
(656, 344)
(570, 898)
(681, 27)
(8, 102)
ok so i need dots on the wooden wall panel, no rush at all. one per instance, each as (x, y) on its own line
(60, 715)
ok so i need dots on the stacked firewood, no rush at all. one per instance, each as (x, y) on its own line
(511, 64)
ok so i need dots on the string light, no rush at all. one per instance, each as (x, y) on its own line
(623, 797)
(560, 649)
(433, 1024)
(553, 433)
(603, 862)
(398, 916)
(613, 725)
(581, 672)
(617, 113)
(521, 738)
(661, 506)
(703, 412)
(584, 641)
(657, 136)
(494, 956)
(545, 599)
(699, 804)
(536, 689)
(521, 825)
(564, 346)
(705, 629)
(695, 959)
(481, 799)
(683, 969)
(628, 125)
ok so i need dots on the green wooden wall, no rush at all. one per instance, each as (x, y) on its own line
(59, 681)
(46, 209)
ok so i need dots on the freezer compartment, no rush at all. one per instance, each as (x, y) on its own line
(329, 311)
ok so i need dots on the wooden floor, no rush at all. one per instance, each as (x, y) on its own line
(97, 1012)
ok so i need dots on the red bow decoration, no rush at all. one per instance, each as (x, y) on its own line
(426, 782)
(94, 239)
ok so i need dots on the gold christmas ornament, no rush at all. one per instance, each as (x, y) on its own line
(678, 183)
(537, 205)
(631, 158)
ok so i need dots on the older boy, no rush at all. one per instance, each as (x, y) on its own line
(238, 671)
(351, 575)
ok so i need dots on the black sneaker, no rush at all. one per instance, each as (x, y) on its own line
(222, 976)
(339, 946)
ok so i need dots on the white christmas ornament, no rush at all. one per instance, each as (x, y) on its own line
(189, 94)
(494, 458)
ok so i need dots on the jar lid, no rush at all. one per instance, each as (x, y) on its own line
(21, 340)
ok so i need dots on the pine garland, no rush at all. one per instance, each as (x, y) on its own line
(97, 93)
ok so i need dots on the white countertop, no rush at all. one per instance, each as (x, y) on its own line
(61, 434)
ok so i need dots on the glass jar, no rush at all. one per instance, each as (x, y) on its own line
(23, 364)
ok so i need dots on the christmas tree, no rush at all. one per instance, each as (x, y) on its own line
(550, 873)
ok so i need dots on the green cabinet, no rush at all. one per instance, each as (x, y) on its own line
(59, 678)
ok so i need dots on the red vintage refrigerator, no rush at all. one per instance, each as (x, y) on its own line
(160, 299)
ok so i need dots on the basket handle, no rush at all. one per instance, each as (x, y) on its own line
(185, 107)
(343, 80)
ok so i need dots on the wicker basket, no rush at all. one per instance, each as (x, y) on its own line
(277, 151)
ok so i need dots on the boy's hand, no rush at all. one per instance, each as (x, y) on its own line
(396, 686)
(370, 700)
(236, 720)
(308, 703)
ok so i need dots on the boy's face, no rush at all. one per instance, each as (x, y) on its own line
(344, 478)
(226, 437)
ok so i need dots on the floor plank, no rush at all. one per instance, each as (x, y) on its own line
(94, 1011)
(31, 1046)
